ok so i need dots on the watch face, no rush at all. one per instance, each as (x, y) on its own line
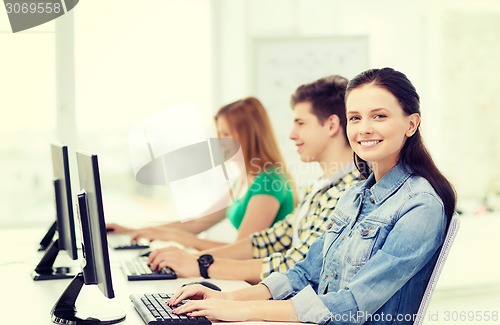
(206, 259)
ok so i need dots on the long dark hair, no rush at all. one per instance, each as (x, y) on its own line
(414, 155)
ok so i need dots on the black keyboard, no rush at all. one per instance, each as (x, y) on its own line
(123, 241)
(153, 309)
(137, 269)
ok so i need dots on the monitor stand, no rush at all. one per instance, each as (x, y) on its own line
(45, 270)
(47, 239)
(64, 311)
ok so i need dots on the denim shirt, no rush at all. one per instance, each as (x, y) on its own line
(373, 263)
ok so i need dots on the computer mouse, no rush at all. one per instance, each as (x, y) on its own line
(145, 253)
(204, 283)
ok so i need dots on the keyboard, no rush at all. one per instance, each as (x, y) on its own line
(153, 309)
(137, 269)
(123, 241)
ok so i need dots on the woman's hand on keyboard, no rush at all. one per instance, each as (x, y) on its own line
(221, 309)
(195, 292)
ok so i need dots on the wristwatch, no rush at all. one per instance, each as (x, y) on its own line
(204, 262)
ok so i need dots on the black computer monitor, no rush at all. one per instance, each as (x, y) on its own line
(96, 268)
(64, 223)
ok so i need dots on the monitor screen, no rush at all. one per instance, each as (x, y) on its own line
(64, 203)
(96, 268)
(64, 223)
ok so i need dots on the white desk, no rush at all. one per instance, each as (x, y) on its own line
(22, 298)
(469, 265)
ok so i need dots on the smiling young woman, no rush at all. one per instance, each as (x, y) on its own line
(377, 126)
(395, 90)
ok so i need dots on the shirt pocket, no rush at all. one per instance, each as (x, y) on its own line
(332, 234)
(361, 242)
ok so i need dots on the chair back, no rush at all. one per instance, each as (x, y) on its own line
(445, 249)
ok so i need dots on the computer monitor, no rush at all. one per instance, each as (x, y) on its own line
(64, 223)
(47, 238)
(96, 268)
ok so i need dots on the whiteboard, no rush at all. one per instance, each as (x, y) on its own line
(280, 65)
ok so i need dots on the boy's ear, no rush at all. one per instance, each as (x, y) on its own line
(333, 123)
(414, 122)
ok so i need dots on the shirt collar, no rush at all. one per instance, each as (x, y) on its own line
(324, 183)
(344, 170)
(388, 184)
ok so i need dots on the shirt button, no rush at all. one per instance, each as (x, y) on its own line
(372, 199)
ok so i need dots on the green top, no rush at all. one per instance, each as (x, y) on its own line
(269, 182)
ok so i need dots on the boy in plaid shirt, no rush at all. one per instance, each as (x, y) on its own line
(319, 132)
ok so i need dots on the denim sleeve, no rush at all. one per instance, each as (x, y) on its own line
(278, 285)
(415, 238)
(305, 273)
(309, 307)
(308, 271)
(301, 284)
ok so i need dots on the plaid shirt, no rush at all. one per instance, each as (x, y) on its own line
(274, 244)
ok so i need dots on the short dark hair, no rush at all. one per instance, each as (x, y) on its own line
(327, 97)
